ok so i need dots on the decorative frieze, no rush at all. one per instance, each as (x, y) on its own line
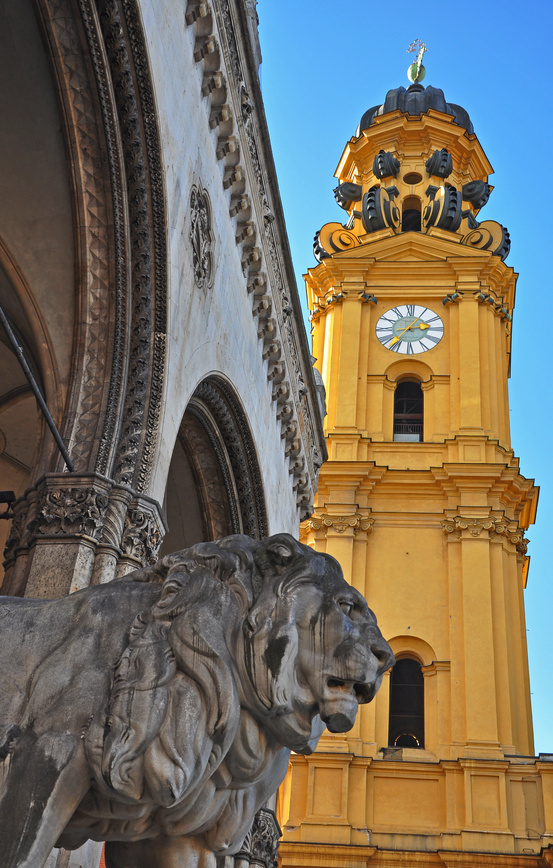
(464, 526)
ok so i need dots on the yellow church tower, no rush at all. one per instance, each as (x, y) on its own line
(423, 504)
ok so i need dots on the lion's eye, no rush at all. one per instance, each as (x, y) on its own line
(346, 607)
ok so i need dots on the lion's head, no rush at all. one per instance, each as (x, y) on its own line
(241, 631)
(311, 645)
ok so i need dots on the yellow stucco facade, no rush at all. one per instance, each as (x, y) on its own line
(429, 526)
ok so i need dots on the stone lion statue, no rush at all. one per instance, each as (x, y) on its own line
(157, 712)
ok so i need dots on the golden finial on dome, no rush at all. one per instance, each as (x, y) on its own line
(416, 71)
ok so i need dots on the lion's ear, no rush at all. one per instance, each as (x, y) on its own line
(172, 586)
(281, 550)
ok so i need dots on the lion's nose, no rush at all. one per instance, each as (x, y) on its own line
(383, 654)
(339, 722)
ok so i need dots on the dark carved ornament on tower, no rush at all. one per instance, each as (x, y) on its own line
(201, 237)
(440, 163)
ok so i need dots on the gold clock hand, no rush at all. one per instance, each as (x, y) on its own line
(402, 332)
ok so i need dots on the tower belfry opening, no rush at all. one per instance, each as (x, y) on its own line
(408, 412)
(411, 215)
(423, 503)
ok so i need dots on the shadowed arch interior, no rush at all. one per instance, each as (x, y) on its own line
(214, 485)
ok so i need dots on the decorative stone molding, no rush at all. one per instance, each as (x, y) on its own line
(231, 441)
(201, 237)
(339, 523)
(71, 511)
(125, 49)
(462, 526)
(97, 202)
(113, 139)
(239, 147)
(260, 847)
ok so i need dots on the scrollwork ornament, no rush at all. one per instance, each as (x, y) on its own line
(201, 237)
(379, 209)
(440, 164)
(491, 236)
(476, 192)
(347, 194)
(333, 238)
(385, 165)
(451, 211)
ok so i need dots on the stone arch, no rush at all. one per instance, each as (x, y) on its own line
(102, 76)
(114, 309)
(214, 483)
(405, 368)
(412, 646)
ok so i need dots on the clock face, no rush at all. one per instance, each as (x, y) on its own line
(409, 329)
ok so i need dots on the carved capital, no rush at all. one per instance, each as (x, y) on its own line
(143, 531)
(339, 523)
(260, 845)
(66, 507)
(71, 511)
(463, 526)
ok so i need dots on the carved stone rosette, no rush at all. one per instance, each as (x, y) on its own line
(495, 525)
(339, 523)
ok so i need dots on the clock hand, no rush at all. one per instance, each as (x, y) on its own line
(402, 332)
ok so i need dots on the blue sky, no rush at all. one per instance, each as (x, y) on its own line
(324, 64)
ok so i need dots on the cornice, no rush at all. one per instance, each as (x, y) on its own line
(400, 132)
(392, 257)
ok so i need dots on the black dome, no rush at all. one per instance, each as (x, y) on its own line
(416, 100)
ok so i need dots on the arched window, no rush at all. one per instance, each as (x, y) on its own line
(408, 412)
(411, 215)
(406, 727)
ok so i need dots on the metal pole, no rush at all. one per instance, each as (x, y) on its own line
(36, 390)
